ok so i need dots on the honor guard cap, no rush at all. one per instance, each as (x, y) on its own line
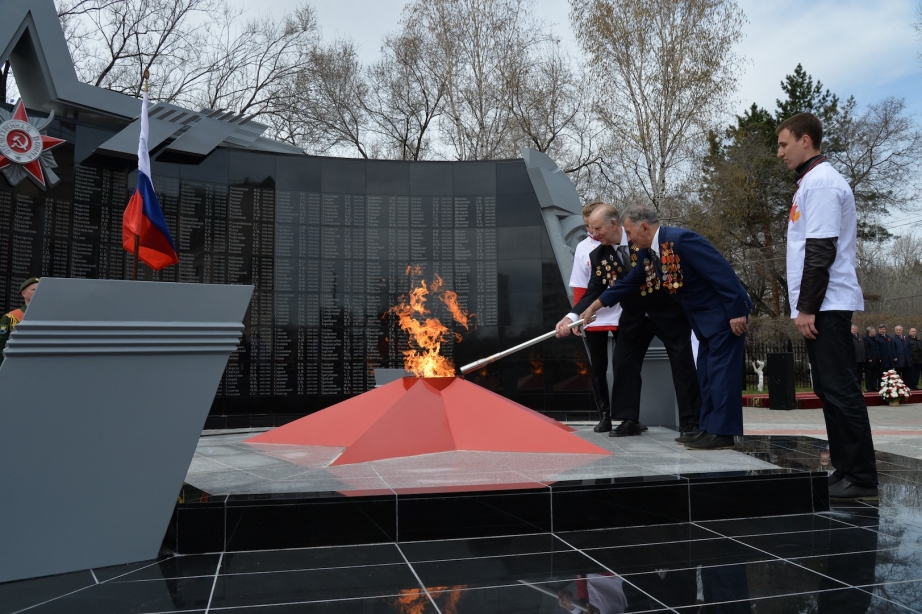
(28, 282)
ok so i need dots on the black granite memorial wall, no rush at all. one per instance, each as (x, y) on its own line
(327, 243)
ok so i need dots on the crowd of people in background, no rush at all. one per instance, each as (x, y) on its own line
(876, 352)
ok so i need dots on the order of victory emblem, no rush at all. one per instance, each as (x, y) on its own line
(24, 150)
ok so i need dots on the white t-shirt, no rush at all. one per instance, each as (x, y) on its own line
(579, 278)
(824, 207)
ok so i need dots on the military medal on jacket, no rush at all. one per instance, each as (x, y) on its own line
(672, 269)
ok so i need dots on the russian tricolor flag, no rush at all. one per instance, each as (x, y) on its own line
(143, 219)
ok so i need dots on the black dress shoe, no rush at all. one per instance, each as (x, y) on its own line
(604, 424)
(835, 477)
(690, 433)
(643, 427)
(626, 429)
(712, 442)
(843, 490)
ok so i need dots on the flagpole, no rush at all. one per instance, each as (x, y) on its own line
(137, 237)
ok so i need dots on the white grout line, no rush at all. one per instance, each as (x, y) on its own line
(623, 579)
(418, 579)
(217, 572)
(94, 577)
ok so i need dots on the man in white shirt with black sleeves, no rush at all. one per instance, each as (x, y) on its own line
(823, 292)
(597, 333)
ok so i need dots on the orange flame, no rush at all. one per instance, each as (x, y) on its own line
(537, 365)
(415, 600)
(427, 334)
(582, 366)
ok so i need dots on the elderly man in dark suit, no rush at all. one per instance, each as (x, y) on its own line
(684, 264)
(887, 353)
(642, 318)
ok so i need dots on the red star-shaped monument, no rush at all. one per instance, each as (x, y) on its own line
(24, 150)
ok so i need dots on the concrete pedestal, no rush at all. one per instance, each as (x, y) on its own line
(106, 387)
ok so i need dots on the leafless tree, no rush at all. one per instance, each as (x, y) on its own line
(405, 95)
(330, 90)
(249, 63)
(480, 46)
(665, 69)
(879, 151)
(200, 53)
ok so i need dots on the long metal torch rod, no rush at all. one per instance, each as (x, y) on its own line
(485, 361)
(551, 593)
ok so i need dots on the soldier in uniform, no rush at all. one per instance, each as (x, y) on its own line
(11, 319)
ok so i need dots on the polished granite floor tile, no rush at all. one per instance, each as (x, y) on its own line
(607, 593)
(857, 517)
(738, 582)
(133, 598)
(417, 552)
(908, 594)
(181, 566)
(634, 536)
(411, 602)
(814, 543)
(866, 568)
(312, 585)
(675, 555)
(15, 596)
(506, 570)
(738, 527)
(310, 558)
(223, 464)
(836, 601)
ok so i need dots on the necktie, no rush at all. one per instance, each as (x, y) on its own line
(622, 255)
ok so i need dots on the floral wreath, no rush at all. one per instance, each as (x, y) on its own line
(892, 386)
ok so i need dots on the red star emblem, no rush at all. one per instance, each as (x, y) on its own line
(22, 146)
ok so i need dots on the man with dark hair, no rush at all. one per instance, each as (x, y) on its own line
(872, 351)
(9, 320)
(823, 293)
(681, 263)
(887, 355)
(642, 318)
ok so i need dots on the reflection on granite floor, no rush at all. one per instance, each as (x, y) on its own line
(224, 465)
(855, 558)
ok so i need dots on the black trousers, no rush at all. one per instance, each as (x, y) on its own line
(630, 350)
(873, 372)
(859, 372)
(832, 356)
(597, 345)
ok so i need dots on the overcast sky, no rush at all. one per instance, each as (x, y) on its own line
(867, 48)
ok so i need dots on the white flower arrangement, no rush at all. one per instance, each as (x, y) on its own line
(892, 386)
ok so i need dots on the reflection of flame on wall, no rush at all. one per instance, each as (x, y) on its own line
(414, 600)
(485, 379)
(579, 382)
(534, 381)
(582, 365)
(427, 334)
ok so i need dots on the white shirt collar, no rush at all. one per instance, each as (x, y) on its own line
(655, 245)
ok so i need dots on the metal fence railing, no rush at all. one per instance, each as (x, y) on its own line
(760, 351)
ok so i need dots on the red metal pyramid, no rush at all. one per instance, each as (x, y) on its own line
(414, 416)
